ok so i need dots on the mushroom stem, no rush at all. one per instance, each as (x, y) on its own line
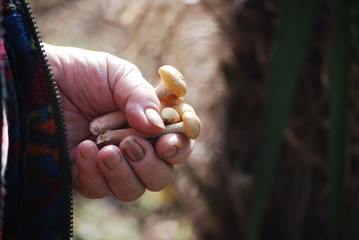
(170, 100)
(190, 126)
(116, 136)
(108, 121)
(161, 91)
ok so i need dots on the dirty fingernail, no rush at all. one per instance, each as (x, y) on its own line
(171, 152)
(154, 117)
(112, 161)
(133, 150)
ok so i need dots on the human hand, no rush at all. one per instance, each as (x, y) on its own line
(92, 84)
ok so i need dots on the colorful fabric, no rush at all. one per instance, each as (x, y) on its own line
(34, 204)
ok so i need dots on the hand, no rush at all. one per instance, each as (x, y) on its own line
(92, 84)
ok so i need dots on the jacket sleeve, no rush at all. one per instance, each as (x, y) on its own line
(36, 197)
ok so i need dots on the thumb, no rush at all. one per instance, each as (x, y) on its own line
(135, 96)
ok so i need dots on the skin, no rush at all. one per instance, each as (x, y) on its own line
(92, 84)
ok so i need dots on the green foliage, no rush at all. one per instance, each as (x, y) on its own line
(339, 73)
(297, 21)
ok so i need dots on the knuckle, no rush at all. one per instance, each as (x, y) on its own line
(129, 196)
(95, 193)
(159, 185)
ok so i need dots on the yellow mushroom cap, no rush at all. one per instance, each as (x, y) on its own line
(173, 80)
(181, 108)
(170, 115)
(192, 125)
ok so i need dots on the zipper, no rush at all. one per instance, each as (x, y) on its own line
(60, 124)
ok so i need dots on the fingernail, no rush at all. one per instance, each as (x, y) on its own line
(154, 117)
(88, 153)
(133, 150)
(112, 160)
(171, 152)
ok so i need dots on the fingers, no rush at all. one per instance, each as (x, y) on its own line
(155, 173)
(128, 170)
(119, 175)
(100, 173)
(133, 168)
(174, 148)
(88, 180)
(134, 95)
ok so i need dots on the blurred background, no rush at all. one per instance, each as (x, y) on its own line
(224, 49)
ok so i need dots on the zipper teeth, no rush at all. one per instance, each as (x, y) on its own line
(59, 118)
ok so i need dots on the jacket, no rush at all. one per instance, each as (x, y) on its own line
(36, 192)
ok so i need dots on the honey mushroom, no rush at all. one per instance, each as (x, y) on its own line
(172, 82)
(175, 113)
(181, 108)
(170, 115)
(169, 91)
(190, 126)
(170, 100)
(113, 120)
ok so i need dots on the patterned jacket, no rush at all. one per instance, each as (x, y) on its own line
(36, 198)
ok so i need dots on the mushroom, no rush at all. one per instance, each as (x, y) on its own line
(172, 82)
(170, 115)
(190, 126)
(181, 108)
(170, 100)
(108, 121)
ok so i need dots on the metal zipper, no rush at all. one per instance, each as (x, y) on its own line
(60, 123)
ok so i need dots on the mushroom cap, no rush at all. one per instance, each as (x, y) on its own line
(170, 115)
(181, 108)
(191, 124)
(173, 80)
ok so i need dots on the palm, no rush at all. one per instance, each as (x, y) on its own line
(85, 94)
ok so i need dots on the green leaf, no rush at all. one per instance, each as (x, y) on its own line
(339, 73)
(297, 21)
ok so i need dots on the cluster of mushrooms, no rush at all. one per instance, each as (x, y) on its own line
(177, 116)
